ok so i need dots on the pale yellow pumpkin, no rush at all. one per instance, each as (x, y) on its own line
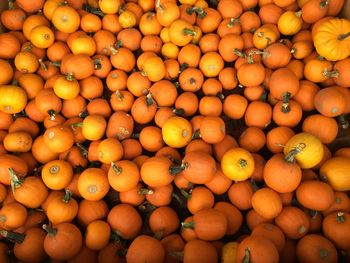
(13, 99)
(305, 148)
(177, 132)
(237, 164)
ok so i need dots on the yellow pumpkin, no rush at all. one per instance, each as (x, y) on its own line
(154, 68)
(290, 23)
(305, 148)
(42, 37)
(127, 19)
(170, 50)
(229, 252)
(13, 99)
(181, 32)
(263, 37)
(110, 6)
(332, 39)
(237, 164)
(177, 132)
(335, 172)
(83, 44)
(66, 87)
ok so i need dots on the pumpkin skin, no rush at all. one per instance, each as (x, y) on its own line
(233, 216)
(123, 175)
(145, 249)
(97, 235)
(305, 148)
(13, 215)
(336, 227)
(177, 132)
(57, 174)
(316, 248)
(293, 221)
(271, 232)
(329, 130)
(93, 184)
(259, 249)
(335, 172)
(199, 199)
(290, 23)
(62, 209)
(14, 162)
(276, 166)
(163, 221)
(90, 211)
(208, 253)
(155, 171)
(315, 195)
(13, 99)
(237, 164)
(63, 241)
(267, 203)
(330, 102)
(330, 41)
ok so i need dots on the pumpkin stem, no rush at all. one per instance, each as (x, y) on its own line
(340, 217)
(119, 95)
(343, 122)
(343, 36)
(179, 255)
(135, 136)
(15, 181)
(42, 64)
(115, 236)
(149, 100)
(323, 4)
(293, 50)
(56, 64)
(196, 134)
(179, 112)
(11, 6)
(146, 207)
(70, 76)
(113, 50)
(242, 163)
(50, 230)
(312, 213)
(176, 169)
(250, 58)
(298, 14)
(183, 67)
(187, 31)
(145, 191)
(52, 115)
(263, 96)
(116, 169)
(187, 225)
(331, 74)
(290, 157)
(239, 53)
(324, 253)
(246, 258)
(83, 114)
(82, 149)
(121, 252)
(13, 236)
(285, 105)
(97, 63)
(77, 125)
(159, 234)
(67, 196)
(186, 194)
(198, 10)
(232, 22)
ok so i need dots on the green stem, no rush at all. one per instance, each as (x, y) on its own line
(179, 255)
(176, 169)
(298, 14)
(97, 64)
(187, 225)
(116, 169)
(186, 194)
(232, 21)
(50, 230)
(187, 31)
(239, 53)
(183, 67)
(340, 217)
(242, 163)
(331, 74)
(77, 125)
(52, 115)
(179, 112)
(70, 76)
(323, 4)
(42, 64)
(145, 191)
(343, 122)
(13, 236)
(159, 235)
(15, 181)
(196, 134)
(246, 258)
(67, 196)
(290, 157)
(285, 105)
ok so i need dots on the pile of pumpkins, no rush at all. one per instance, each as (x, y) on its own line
(174, 131)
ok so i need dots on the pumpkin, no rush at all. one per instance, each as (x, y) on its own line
(13, 215)
(267, 203)
(163, 221)
(316, 248)
(330, 102)
(237, 164)
(31, 249)
(199, 198)
(159, 196)
(212, 129)
(145, 249)
(290, 23)
(273, 169)
(42, 37)
(271, 232)
(335, 172)
(335, 227)
(315, 195)
(229, 252)
(233, 216)
(62, 209)
(125, 221)
(305, 148)
(255, 248)
(59, 138)
(57, 174)
(62, 241)
(97, 235)
(264, 36)
(123, 175)
(89, 211)
(293, 221)
(17, 142)
(334, 32)
(209, 224)
(209, 252)
(13, 99)
(252, 139)
(156, 171)
(93, 184)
